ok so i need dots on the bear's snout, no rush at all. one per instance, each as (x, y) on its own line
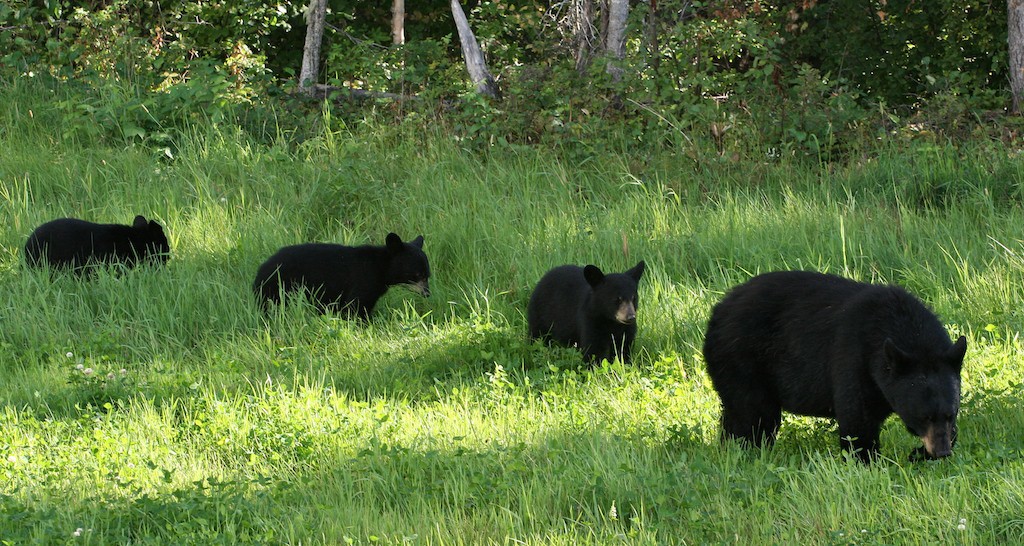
(938, 440)
(626, 313)
(422, 288)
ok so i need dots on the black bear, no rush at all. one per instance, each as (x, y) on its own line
(70, 243)
(582, 306)
(821, 345)
(344, 278)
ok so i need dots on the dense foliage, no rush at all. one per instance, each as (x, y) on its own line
(748, 76)
(901, 51)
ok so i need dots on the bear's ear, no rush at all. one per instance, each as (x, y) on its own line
(140, 222)
(957, 351)
(417, 242)
(637, 271)
(155, 227)
(393, 243)
(895, 358)
(593, 275)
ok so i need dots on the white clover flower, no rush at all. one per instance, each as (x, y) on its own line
(70, 354)
(80, 366)
(963, 525)
(123, 371)
(77, 533)
(87, 371)
(12, 459)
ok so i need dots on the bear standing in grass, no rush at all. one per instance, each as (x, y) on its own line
(584, 307)
(69, 243)
(344, 278)
(825, 346)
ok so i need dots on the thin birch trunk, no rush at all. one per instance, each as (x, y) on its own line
(1015, 41)
(398, 22)
(615, 39)
(485, 84)
(316, 15)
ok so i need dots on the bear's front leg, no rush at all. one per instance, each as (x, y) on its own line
(593, 356)
(858, 432)
(865, 449)
(594, 346)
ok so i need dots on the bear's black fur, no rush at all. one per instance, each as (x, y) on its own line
(821, 345)
(70, 243)
(584, 307)
(344, 278)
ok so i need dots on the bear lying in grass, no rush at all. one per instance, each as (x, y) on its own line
(343, 278)
(825, 346)
(583, 307)
(70, 243)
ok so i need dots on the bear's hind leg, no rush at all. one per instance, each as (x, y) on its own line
(753, 417)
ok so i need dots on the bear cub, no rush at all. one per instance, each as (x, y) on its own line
(70, 243)
(582, 306)
(343, 278)
(825, 346)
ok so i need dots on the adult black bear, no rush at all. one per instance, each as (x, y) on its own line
(584, 307)
(70, 243)
(821, 345)
(344, 278)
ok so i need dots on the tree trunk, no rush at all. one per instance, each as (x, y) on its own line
(485, 84)
(316, 15)
(651, 30)
(584, 34)
(602, 32)
(615, 39)
(398, 22)
(1015, 40)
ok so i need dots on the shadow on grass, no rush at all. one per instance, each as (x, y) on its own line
(577, 480)
(560, 483)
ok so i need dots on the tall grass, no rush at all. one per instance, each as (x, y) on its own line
(205, 421)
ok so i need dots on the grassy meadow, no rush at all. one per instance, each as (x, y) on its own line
(159, 406)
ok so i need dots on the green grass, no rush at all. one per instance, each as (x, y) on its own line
(438, 422)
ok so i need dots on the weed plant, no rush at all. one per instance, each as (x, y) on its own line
(160, 406)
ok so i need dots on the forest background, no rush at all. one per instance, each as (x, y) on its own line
(797, 77)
